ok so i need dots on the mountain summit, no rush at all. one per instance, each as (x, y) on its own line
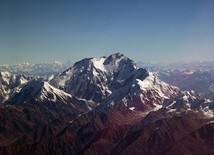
(95, 78)
(113, 79)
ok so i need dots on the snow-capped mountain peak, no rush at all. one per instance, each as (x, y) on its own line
(95, 78)
(152, 82)
(39, 91)
(113, 79)
(98, 63)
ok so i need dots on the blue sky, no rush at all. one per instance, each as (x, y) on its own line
(144, 30)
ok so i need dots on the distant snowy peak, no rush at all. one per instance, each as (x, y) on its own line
(40, 69)
(39, 91)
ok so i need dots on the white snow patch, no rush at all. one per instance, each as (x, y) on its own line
(207, 101)
(98, 63)
(208, 113)
(57, 62)
(23, 80)
(132, 108)
(112, 103)
(48, 89)
(71, 121)
(5, 74)
(171, 110)
(95, 72)
(61, 80)
(50, 77)
(125, 101)
(157, 107)
(152, 83)
(170, 105)
(185, 98)
(211, 122)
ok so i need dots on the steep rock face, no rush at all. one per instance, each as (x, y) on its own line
(40, 98)
(39, 91)
(144, 95)
(10, 83)
(113, 79)
(96, 78)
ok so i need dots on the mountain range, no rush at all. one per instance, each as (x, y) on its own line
(40, 69)
(105, 105)
(197, 76)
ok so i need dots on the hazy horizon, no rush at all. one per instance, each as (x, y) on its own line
(144, 30)
(139, 61)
